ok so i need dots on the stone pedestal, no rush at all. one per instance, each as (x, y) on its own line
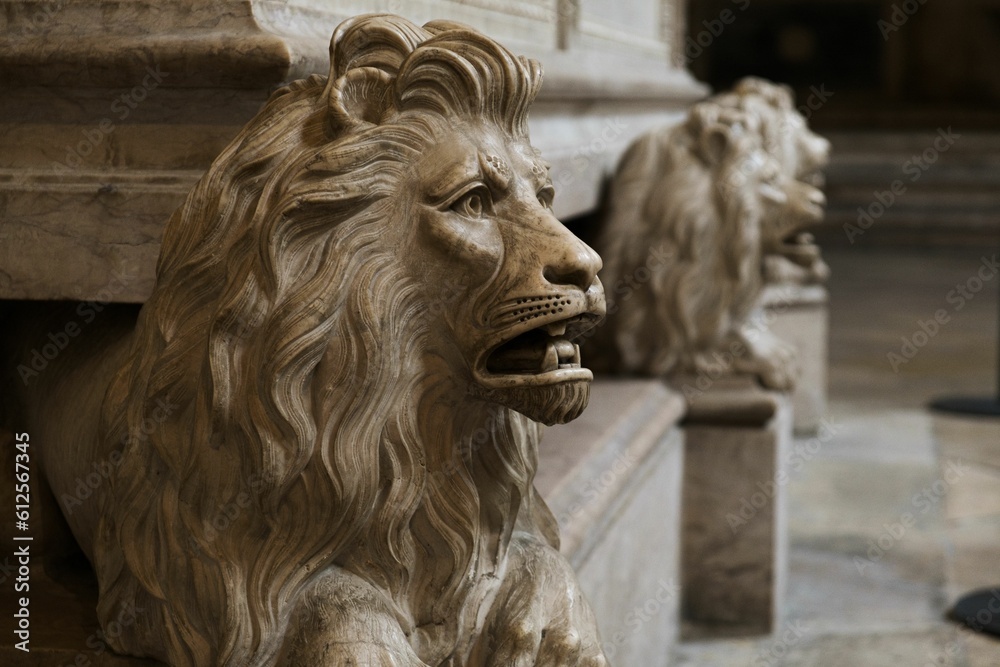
(798, 314)
(613, 479)
(735, 539)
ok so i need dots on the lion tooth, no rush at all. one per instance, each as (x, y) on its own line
(565, 349)
(551, 360)
(556, 329)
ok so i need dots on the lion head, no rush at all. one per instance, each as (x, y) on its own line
(368, 274)
(802, 156)
(692, 210)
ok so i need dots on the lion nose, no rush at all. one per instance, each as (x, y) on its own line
(572, 262)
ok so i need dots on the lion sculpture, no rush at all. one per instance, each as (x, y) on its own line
(372, 453)
(692, 211)
(803, 154)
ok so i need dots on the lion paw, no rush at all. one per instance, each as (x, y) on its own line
(540, 620)
(773, 361)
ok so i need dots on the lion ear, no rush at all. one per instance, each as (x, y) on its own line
(360, 97)
(715, 140)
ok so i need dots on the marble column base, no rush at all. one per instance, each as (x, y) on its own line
(798, 314)
(734, 545)
(613, 479)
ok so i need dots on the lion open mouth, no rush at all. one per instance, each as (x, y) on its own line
(814, 177)
(540, 350)
(801, 248)
(544, 354)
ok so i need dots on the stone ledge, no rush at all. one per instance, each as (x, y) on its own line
(624, 424)
(260, 44)
(736, 400)
(113, 236)
(613, 478)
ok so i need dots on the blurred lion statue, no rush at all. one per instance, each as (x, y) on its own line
(802, 154)
(693, 210)
(312, 464)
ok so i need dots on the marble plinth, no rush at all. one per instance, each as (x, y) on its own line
(734, 553)
(613, 479)
(797, 314)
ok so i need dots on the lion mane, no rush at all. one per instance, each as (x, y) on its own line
(287, 334)
(681, 243)
(785, 135)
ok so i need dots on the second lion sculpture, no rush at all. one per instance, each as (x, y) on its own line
(372, 453)
(693, 211)
(802, 154)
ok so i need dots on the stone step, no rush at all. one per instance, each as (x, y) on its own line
(943, 191)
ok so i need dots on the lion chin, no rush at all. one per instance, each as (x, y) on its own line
(549, 404)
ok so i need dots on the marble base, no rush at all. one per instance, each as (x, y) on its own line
(734, 559)
(798, 315)
(613, 479)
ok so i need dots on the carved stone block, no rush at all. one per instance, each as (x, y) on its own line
(734, 553)
(799, 315)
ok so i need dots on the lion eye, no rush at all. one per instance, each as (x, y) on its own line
(471, 205)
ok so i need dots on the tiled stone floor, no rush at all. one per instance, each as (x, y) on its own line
(898, 513)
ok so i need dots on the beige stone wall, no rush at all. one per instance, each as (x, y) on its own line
(112, 111)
